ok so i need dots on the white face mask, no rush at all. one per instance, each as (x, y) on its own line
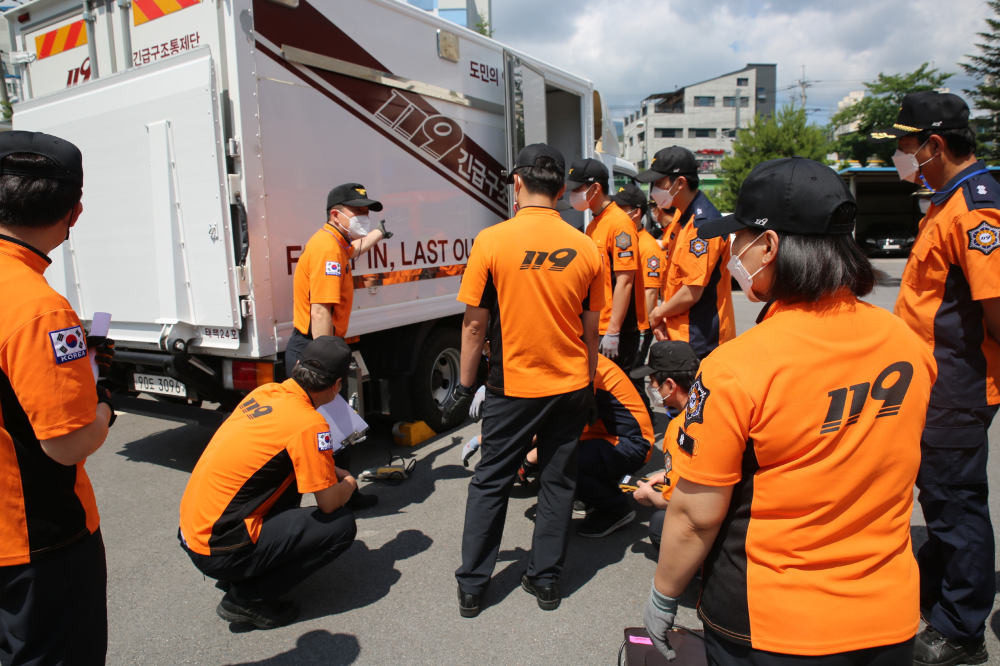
(360, 226)
(655, 398)
(663, 198)
(578, 200)
(906, 163)
(742, 275)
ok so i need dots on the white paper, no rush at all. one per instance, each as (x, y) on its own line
(343, 421)
(99, 325)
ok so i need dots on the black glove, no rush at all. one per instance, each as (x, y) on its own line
(457, 402)
(104, 395)
(591, 405)
(386, 235)
(104, 352)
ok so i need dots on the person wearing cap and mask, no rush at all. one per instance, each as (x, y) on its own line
(950, 297)
(632, 201)
(799, 447)
(240, 519)
(624, 314)
(672, 369)
(537, 284)
(323, 287)
(53, 570)
(697, 293)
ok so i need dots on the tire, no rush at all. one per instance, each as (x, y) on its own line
(438, 366)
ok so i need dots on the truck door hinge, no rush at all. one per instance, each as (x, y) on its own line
(246, 307)
(233, 148)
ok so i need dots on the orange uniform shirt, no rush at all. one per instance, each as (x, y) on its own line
(701, 263)
(622, 419)
(274, 438)
(954, 264)
(46, 390)
(323, 275)
(815, 417)
(617, 241)
(536, 275)
(652, 261)
(670, 449)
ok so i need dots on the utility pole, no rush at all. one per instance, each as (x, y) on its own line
(737, 100)
(803, 84)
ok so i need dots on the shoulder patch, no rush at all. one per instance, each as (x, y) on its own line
(333, 268)
(698, 247)
(984, 238)
(68, 344)
(653, 263)
(685, 443)
(697, 397)
(623, 240)
(981, 192)
(324, 441)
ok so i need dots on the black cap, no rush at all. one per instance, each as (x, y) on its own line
(921, 111)
(351, 194)
(587, 172)
(791, 194)
(631, 195)
(668, 356)
(328, 356)
(67, 157)
(530, 154)
(673, 161)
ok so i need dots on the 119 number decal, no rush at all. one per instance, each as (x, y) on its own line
(559, 259)
(891, 397)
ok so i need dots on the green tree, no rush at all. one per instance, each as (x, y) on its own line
(483, 26)
(985, 67)
(879, 108)
(787, 133)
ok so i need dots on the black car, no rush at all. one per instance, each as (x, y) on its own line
(887, 240)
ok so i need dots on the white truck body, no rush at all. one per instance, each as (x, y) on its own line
(229, 110)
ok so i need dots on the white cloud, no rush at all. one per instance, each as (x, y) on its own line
(634, 48)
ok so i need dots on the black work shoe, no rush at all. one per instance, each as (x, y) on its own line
(547, 595)
(526, 472)
(262, 614)
(932, 648)
(359, 502)
(602, 523)
(468, 604)
(580, 509)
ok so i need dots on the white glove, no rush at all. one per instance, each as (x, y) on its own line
(658, 616)
(470, 448)
(476, 408)
(609, 345)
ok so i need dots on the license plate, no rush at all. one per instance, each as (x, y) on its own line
(891, 247)
(159, 384)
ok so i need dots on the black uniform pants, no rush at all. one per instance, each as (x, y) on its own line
(296, 345)
(509, 424)
(628, 349)
(56, 611)
(957, 577)
(722, 652)
(293, 544)
(600, 466)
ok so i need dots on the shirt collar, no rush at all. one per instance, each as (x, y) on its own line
(295, 389)
(945, 192)
(842, 295)
(688, 213)
(337, 234)
(36, 260)
(606, 209)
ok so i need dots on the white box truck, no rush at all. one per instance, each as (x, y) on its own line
(211, 132)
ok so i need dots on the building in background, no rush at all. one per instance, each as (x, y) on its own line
(851, 99)
(466, 13)
(701, 117)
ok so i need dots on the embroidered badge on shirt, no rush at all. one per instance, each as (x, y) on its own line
(324, 441)
(623, 240)
(686, 442)
(698, 247)
(697, 397)
(68, 344)
(653, 263)
(333, 268)
(984, 238)
(981, 189)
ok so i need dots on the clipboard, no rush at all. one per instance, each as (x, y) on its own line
(346, 427)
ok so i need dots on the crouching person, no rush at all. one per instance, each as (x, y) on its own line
(240, 517)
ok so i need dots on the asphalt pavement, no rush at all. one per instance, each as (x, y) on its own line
(391, 597)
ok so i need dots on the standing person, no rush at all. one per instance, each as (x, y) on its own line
(672, 369)
(614, 233)
(633, 203)
(799, 448)
(950, 297)
(53, 571)
(665, 219)
(240, 519)
(537, 283)
(324, 287)
(698, 302)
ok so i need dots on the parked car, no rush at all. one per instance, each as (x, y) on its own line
(887, 240)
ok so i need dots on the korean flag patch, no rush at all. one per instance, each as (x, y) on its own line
(324, 441)
(68, 344)
(984, 238)
(333, 268)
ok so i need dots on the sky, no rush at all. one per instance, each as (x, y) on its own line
(634, 48)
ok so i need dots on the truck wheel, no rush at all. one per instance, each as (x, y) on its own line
(438, 368)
